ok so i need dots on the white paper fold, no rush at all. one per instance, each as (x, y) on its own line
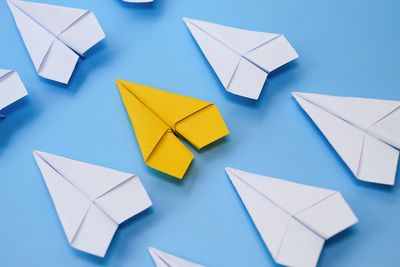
(364, 132)
(163, 259)
(55, 36)
(11, 88)
(242, 59)
(294, 220)
(91, 201)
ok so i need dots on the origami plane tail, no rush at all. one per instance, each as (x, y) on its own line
(170, 156)
(202, 127)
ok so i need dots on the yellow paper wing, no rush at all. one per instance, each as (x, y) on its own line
(169, 107)
(160, 148)
(171, 156)
(199, 122)
(203, 127)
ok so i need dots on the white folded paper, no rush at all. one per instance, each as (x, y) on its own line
(55, 36)
(91, 201)
(163, 259)
(364, 132)
(11, 88)
(294, 220)
(242, 59)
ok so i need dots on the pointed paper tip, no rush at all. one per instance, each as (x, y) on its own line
(297, 95)
(187, 20)
(153, 251)
(10, 2)
(36, 152)
(13, 2)
(120, 84)
(228, 169)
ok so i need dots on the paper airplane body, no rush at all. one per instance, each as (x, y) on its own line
(364, 132)
(242, 59)
(55, 36)
(11, 88)
(91, 201)
(158, 117)
(163, 259)
(294, 220)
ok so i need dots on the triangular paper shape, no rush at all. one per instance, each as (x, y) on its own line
(294, 220)
(11, 88)
(55, 36)
(355, 127)
(163, 259)
(158, 117)
(91, 201)
(242, 59)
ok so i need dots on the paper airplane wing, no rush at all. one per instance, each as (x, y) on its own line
(241, 59)
(45, 50)
(160, 148)
(51, 35)
(11, 88)
(294, 220)
(76, 28)
(163, 259)
(199, 122)
(91, 201)
(348, 124)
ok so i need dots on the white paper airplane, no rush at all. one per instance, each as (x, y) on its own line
(91, 201)
(364, 132)
(55, 36)
(294, 220)
(163, 259)
(11, 88)
(242, 59)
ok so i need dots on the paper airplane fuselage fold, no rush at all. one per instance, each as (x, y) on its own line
(55, 36)
(364, 132)
(242, 59)
(294, 220)
(159, 118)
(91, 201)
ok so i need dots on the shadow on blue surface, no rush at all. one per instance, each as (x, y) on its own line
(17, 115)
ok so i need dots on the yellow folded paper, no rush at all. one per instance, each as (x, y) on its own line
(158, 117)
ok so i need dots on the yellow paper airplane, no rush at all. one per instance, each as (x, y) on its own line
(158, 117)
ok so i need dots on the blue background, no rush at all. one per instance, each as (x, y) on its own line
(346, 48)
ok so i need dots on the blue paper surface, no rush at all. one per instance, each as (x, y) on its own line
(348, 48)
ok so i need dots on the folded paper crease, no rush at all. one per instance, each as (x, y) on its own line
(164, 259)
(159, 118)
(364, 132)
(12, 88)
(55, 36)
(91, 201)
(242, 59)
(294, 220)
